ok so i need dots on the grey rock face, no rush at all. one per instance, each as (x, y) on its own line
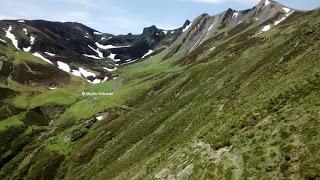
(206, 27)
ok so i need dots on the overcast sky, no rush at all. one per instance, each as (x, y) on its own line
(124, 16)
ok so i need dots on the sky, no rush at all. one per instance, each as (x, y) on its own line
(128, 16)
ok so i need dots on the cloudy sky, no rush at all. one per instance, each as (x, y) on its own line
(124, 16)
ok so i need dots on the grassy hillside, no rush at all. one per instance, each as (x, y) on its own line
(247, 109)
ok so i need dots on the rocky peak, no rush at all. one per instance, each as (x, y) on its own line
(265, 2)
(229, 10)
(186, 23)
(150, 30)
(267, 9)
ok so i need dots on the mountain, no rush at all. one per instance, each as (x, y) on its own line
(85, 52)
(80, 50)
(266, 13)
(229, 96)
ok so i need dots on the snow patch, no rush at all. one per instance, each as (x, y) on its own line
(287, 10)
(100, 54)
(32, 39)
(109, 46)
(36, 54)
(3, 40)
(210, 27)
(235, 14)
(97, 33)
(113, 57)
(63, 66)
(76, 73)
(27, 49)
(50, 54)
(103, 38)
(187, 27)
(279, 21)
(86, 73)
(53, 88)
(283, 18)
(21, 21)
(12, 37)
(147, 54)
(99, 118)
(165, 32)
(110, 70)
(266, 2)
(96, 81)
(266, 28)
(129, 61)
(105, 79)
(213, 48)
(25, 31)
(91, 56)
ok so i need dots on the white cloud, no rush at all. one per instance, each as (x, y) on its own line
(247, 2)
(7, 17)
(210, 1)
(102, 15)
(168, 26)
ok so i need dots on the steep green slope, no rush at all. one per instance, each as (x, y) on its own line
(248, 108)
(27, 104)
